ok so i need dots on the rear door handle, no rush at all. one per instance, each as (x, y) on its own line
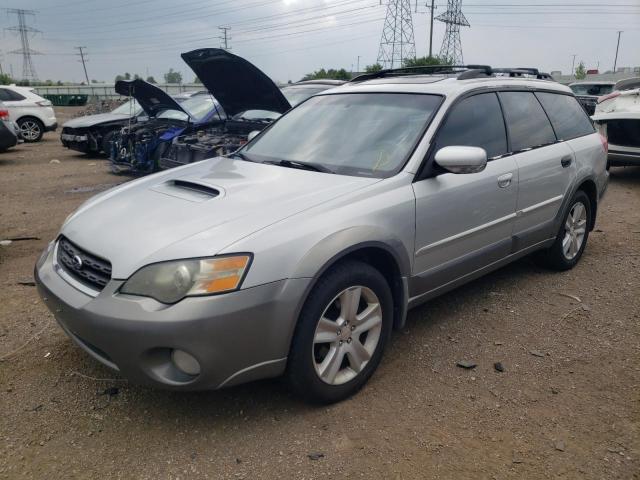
(505, 180)
(566, 161)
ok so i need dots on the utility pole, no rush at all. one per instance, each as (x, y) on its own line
(358, 65)
(615, 62)
(225, 37)
(573, 64)
(24, 31)
(82, 59)
(1, 60)
(431, 10)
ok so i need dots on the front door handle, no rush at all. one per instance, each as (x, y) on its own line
(505, 180)
(566, 161)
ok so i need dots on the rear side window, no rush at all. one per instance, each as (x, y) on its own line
(9, 95)
(528, 125)
(568, 118)
(477, 122)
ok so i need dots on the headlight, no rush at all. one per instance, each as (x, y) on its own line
(169, 282)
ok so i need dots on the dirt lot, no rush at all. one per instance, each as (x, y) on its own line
(566, 406)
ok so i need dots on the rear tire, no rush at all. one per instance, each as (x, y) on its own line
(31, 129)
(341, 333)
(571, 240)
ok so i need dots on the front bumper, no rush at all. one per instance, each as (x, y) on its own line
(51, 128)
(236, 337)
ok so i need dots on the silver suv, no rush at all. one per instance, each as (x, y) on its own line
(300, 253)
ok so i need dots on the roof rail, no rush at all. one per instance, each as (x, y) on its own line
(465, 72)
(420, 70)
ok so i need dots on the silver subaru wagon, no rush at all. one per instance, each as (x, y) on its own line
(300, 253)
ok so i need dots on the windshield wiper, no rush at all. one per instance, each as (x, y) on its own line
(315, 167)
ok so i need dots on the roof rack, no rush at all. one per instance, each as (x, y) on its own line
(464, 72)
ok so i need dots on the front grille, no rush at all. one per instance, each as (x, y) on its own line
(83, 266)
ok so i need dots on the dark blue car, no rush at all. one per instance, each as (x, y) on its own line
(137, 147)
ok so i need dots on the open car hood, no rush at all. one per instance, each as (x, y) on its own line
(236, 83)
(152, 99)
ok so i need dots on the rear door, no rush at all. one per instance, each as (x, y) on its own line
(464, 221)
(546, 167)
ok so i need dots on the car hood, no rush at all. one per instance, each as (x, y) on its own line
(236, 83)
(176, 214)
(152, 99)
(93, 120)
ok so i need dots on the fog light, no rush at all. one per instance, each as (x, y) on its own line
(185, 362)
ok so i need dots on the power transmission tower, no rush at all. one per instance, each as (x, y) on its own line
(83, 60)
(28, 70)
(225, 38)
(451, 45)
(397, 43)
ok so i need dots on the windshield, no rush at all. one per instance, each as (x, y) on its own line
(198, 106)
(368, 134)
(591, 89)
(295, 95)
(130, 107)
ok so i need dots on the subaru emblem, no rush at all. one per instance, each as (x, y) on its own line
(77, 261)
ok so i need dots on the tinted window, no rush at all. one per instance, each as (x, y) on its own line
(591, 89)
(567, 116)
(528, 125)
(477, 122)
(4, 94)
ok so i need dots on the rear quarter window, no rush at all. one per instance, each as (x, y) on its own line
(568, 118)
(527, 123)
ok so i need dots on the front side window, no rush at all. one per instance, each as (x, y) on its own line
(568, 118)
(528, 125)
(364, 134)
(475, 122)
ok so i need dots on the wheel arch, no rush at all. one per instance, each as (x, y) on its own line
(390, 260)
(589, 187)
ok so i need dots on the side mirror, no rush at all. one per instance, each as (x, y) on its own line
(462, 159)
(252, 135)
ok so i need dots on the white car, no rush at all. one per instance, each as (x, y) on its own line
(618, 118)
(33, 114)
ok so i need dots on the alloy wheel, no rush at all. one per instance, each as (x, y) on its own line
(575, 228)
(347, 335)
(30, 130)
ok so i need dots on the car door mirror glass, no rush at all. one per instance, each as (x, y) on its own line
(460, 159)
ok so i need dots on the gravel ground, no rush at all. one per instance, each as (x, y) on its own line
(567, 404)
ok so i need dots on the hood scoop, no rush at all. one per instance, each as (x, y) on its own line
(188, 190)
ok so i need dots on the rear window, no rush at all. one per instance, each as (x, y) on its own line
(477, 122)
(590, 89)
(527, 123)
(567, 116)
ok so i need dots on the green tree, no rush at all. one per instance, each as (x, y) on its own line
(137, 77)
(93, 80)
(172, 76)
(332, 73)
(119, 78)
(581, 71)
(197, 80)
(127, 76)
(376, 67)
(150, 79)
(425, 61)
(5, 79)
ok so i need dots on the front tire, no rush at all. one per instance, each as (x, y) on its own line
(31, 129)
(571, 240)
(341, 333)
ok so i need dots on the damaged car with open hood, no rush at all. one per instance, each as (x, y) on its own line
(138, 146)
(248, 97)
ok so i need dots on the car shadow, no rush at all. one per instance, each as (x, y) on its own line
(625, 175)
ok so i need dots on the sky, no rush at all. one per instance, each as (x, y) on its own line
(289, 38)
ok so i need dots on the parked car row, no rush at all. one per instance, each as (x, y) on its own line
(299, 252)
